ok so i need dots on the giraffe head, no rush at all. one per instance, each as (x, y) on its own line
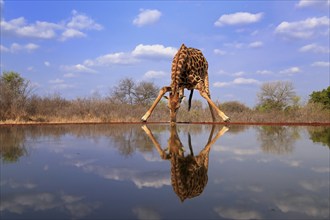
(174, 102)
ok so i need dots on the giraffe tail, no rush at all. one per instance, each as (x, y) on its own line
(190, 97)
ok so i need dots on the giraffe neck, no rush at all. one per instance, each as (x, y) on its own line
(177, 65)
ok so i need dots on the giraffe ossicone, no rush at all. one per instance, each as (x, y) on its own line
(189, 71)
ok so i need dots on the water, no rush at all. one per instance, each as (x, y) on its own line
(124, 172)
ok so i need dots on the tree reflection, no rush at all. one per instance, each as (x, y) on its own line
(320, 135)
(12, 144)
(188, 173)
(277, 139)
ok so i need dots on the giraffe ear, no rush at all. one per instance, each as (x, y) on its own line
(182, 98)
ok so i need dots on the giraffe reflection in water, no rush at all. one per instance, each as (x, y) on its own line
(188, 173)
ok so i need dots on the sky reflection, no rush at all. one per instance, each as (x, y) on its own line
(117, 171)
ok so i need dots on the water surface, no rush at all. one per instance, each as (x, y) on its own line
(134, 172)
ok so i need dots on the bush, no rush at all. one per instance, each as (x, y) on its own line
(233, 107)
(14, 93)
(322, 97)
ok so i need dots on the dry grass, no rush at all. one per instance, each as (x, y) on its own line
(57, 110)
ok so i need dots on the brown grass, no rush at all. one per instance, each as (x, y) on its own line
(60, 111)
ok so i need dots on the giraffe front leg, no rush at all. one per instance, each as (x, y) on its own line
(148, 132)
(160, 95)
(224, 117)
(212, 113)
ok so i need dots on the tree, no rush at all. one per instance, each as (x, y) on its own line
(320, 135)
(124, 91)
(145, 93)
(276, 95)
(233, 106)
(322, 97)
(14, 92)
(128, 92)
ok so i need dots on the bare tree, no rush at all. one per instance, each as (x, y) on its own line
(145, 93)
(128, 92)
(124, 92)
(276, 95)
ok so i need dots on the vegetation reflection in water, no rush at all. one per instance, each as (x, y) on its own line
(119, 171)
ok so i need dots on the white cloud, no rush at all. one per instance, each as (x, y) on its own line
(31, 46)
(111, 58)
(310, 3)
(219, 52)
(80, 21)
(71, 33)
(56, 81)
(47, 63)
(49, 30)
(79, 68)
(62, 86)
(240, 45)
(69, 75)
(155, 50)
(237, 81)
(30, 68)
(240, 73)
(236, 45)
(151, 74)
(4, 49)
(321, 64)
(264, 72)
(238, 19)
(40, 29)
(147, 16)
(256, 44)
(245, 81)
(291, 70)
(221, 84)
(15, 47)
(315, 48)
(304, 29)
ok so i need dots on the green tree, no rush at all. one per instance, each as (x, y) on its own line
(322, 97)
(276, 95)
(14, 93)
(320, 135)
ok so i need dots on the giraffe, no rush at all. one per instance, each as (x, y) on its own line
(188, 173)
(189, 71)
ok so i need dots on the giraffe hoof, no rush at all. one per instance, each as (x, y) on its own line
(144, 119)
(227, 120)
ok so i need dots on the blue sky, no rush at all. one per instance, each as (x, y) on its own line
(77, 48)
